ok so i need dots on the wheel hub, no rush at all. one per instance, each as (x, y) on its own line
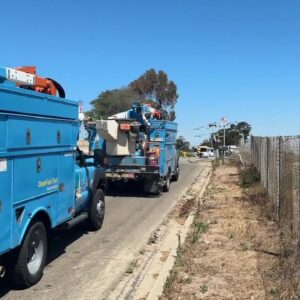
(100, 206)
(35, 254)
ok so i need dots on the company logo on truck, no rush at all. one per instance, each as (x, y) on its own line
(47, 182)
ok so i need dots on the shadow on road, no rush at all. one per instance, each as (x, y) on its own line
(128, 189)
(58, 242)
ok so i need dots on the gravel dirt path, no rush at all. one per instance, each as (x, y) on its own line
(232, 251)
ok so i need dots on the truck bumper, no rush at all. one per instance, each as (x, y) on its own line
(133, 173)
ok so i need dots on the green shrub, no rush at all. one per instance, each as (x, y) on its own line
(249, 176)
(199, 227)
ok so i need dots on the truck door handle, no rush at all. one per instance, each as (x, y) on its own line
(28, 136)
(58, 136)
(38, 165)
(61, 187)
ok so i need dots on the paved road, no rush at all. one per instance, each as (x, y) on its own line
(87, 265)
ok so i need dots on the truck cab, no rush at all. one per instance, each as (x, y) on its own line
(46, 181)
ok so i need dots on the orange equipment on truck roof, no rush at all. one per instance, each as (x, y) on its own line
(42, 85)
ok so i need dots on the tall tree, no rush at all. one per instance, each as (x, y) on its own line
(182, 144)
(111, 102)
(233, 134)
(151, 87)
(157, 87)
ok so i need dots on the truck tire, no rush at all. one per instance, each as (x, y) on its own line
(166, 187)
(176, 174)
(30, 261)
(97, 211)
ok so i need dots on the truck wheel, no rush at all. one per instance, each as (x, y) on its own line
(166, 187)
(176, 174)
(31, 258)
(97, 211)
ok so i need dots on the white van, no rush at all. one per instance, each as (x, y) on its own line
(205, 152)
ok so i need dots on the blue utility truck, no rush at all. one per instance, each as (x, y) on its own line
(139, 145)
(46, 182)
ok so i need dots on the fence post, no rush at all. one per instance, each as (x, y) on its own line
(295, 187)
(278, 176)
(267, 163)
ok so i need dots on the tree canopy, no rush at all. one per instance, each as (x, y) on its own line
(182, 144)
(152, 86)
(157, 87)
(207, 143)
(111, 102)
(233, 134)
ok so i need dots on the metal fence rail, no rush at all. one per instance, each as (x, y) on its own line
(277, 159)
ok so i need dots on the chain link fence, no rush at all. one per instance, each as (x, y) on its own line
(277, 160)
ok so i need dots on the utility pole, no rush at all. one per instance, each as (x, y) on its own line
(211, 126)
(224, 123)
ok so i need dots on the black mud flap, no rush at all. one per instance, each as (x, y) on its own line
(152, 187)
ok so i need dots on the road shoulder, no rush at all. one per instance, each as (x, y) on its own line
(232, 250)
(146, 274)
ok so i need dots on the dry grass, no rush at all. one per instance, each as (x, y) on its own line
(132, 266)
(232, 251)
(186, 205)
(186, 208)
(249, 176)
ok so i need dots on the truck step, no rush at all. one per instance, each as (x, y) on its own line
(71, 223)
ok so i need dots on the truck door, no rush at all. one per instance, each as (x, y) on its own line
(66, 194)
(5, 204)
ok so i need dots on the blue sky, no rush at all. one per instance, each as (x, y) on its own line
(233, 58)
